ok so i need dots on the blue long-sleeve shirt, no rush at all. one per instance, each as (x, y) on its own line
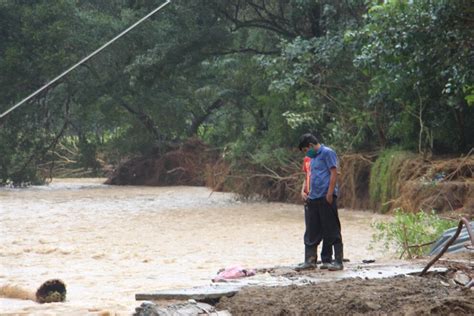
(321, 166)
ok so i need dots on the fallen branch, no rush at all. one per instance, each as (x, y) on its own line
(176, 169)
(452, 174)
(422, 245)
(464, 222)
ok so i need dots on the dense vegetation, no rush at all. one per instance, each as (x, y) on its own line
(246, 76)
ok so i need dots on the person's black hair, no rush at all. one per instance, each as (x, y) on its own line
(307, 139)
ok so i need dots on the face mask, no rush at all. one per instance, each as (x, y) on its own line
(311, 153)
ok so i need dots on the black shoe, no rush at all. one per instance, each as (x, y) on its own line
(306, 266)
(325, 265)
(336, 266)
(310, 259)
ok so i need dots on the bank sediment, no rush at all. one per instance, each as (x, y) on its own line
(377, 181)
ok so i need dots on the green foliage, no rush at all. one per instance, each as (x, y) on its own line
(324, 89)
(469, 91)
(245, 76)
(410, 229)
(418, 58)
(384, 177)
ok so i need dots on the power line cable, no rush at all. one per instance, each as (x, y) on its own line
(84, 59)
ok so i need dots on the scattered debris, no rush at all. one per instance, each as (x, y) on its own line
(448, 243)
(461, 278)
(185, 309)
(233, 272)
(458, 245)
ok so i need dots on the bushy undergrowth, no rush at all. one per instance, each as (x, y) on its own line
(408, 231)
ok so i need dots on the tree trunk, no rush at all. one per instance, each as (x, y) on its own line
(144, 118)
(198, 120)
(458, 114)
(379, 119)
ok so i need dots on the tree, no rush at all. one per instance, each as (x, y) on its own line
(419, 60)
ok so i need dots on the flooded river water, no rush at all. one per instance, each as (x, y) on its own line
(109, 242)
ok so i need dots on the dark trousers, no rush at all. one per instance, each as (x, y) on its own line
(326, 216)
(313, 233)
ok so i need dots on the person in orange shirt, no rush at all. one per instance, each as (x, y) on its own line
(313, 234)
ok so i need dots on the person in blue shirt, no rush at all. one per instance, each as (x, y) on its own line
(312, 235)
(322, 197)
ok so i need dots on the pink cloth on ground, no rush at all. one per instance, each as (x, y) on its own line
(233, 272)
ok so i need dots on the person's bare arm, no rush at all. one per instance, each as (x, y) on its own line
(304, 195)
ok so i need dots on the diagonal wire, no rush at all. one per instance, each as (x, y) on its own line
(84, 59)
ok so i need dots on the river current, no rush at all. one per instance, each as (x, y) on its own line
(108, 243)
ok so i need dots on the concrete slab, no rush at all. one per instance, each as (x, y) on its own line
(201, 293)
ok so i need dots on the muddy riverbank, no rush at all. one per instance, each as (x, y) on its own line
(401, 295)
(368, 288)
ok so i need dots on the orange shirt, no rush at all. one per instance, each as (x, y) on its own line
(307, 171)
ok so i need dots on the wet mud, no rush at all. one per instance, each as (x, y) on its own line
(400, 295)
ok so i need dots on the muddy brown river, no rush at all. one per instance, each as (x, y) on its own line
(109, 242)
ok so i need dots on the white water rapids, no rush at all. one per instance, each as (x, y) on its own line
(109, 242)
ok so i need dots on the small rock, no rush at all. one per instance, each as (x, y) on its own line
(461, 278)
(372, 305)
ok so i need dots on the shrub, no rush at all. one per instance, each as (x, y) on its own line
(408, 231)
